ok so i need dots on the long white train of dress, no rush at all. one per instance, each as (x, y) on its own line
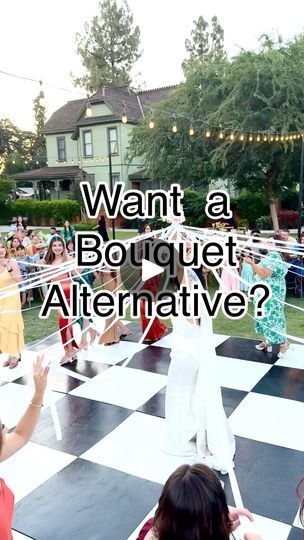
(196, 423)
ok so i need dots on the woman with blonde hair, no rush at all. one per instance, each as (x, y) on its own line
(11, 322)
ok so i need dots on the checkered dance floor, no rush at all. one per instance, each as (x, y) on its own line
(105, 475)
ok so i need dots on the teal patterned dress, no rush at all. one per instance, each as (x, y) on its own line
(273, 324)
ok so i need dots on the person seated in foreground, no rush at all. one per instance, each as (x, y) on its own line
(193, 506)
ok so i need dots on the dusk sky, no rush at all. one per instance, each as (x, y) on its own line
(37, 40)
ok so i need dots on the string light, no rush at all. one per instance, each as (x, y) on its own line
(277, 138)
(250, 137)
(221, 135)
(271, 138)
(151, 123)
(242, 137)
(174, 126)
(208, 133)
(282, 138)
(88, 111)
(258, 138)
(265, 138)
(231, 136)
(191, 129)
(124, 117)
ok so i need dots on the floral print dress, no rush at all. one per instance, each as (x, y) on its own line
(273, 324)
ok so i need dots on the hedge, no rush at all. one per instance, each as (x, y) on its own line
(45, 212)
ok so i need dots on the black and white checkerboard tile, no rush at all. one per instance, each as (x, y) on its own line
(105, 475)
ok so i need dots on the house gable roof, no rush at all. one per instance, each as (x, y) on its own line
(71, 115)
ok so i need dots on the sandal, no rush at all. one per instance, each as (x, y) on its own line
(67, 359)
(283, 353)
(122, 336)
(262, 346)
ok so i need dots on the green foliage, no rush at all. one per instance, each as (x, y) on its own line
(262, 91)
(243, 223)
(40, 142)
(290, 199)
(264, 223)
(85, 226)
(206, 41)
(46, 212)
(6, 188)
(251, 206)
(18, 149)
(109, 47)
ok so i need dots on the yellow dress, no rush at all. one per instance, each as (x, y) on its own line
(11, 324)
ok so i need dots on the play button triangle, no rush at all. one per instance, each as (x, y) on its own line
(149, 270)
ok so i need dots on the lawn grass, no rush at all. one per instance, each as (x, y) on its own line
(122, 235)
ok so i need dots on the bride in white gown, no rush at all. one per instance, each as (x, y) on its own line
(196, 423)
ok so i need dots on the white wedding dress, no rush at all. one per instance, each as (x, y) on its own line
(196, 423)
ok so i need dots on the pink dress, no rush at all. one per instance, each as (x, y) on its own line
(230, 279)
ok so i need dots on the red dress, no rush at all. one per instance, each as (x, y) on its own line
(158, 328)
(6, 511)
(65, 324)
(145, 529)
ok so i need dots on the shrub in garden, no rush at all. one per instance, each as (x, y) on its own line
(46, 212)
(264, 223)
(251, 206)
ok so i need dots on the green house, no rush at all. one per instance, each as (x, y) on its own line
(83, 136)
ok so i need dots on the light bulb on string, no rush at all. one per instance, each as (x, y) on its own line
(258, 138)
(88, 111)
(250, 138)
(277, 138)
(151, 123)
(231, 136)
(286, 138)
(282, 138)
(208, 133)
(221, 135)
(191, 130)
(174, 126)
(242, 137)
(271, 138)
(265, 139)
(124, 117)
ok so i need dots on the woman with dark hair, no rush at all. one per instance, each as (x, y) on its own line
(102, 228)
(272, 270)
(12, 442)
(11, 321)
(20, 223)
(193, 506)
(70, 247)
(56, 255)
(67, 231)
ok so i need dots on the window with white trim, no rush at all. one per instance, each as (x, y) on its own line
(87, 144)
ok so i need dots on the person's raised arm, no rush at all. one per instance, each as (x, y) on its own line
(262, 272)
(26, 425)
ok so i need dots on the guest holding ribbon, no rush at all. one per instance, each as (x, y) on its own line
(272, 271)
(11, 322)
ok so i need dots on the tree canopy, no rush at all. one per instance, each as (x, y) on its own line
(261, 91)
(18, 149)
(109, 47)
